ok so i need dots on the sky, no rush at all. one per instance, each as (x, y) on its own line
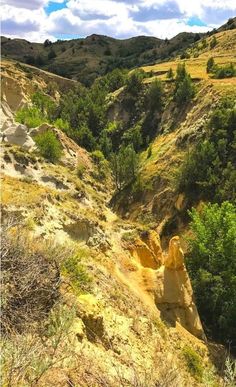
(38, 20)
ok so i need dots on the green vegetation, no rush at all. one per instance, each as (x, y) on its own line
(30, 116)
(49, 146)
(209, 169)
(227, 71)
(184, 88)
(124, 166)
(75, 271)
(220, 72)
(210, 65)
(212, 266)
(213, 42)
(88, 59)
(170, 74)
(193, 362)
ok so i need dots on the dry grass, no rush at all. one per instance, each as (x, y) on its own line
(224, 53)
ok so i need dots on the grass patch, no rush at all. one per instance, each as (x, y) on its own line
(193, 362)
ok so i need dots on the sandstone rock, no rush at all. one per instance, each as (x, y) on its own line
(175, 259)
(154, 244)
(18, 134)
(147, 251)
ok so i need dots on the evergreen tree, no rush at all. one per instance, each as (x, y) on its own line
(210, 65)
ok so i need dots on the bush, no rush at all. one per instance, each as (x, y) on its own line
(49, 146)
(227, 71)
(212, 267)
(30, 279)
(194, 362)
(30, 116)
(74, 270)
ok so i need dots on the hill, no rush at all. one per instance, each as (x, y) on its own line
(97, 182)
(86, 59)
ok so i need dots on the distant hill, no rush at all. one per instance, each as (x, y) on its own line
(85, 59)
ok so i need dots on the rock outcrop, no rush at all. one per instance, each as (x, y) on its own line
(166, 279)
(17, 134)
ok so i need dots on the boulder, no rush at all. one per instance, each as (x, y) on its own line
(17, 134)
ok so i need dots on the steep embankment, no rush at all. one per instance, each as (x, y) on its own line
(158, 201)
(117, 335)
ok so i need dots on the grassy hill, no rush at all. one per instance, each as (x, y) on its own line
(86, 59)
(224, 52)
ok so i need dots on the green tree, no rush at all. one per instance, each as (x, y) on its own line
(210, 65)
(52, 54)
(134, 83)
(170, 73)
(213, 42)
(154, 96)
(133, 137)
(124, 166)
(105, 144)
(184, 88)
(211, 263)
(85, 138)
(49, 146)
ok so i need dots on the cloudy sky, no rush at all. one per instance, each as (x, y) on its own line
(37, 20)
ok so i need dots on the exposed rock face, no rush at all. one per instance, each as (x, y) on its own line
(17, 134)
(147, 251)
(175, 259)
(166, 279)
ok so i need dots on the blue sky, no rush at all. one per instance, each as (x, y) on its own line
(37, 20)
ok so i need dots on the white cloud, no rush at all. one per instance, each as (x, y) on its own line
(118, 18)
(29, 4)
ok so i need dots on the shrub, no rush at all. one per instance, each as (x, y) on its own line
(74, 270)
(49, 146)
(212, 268)
(227, 71)
(30, 279)
(30, 116)
(97, 156)
(193, 362)
(80, 169)
(61, 124)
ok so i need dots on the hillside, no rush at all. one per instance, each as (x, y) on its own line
(100, 285)
(87, 58)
